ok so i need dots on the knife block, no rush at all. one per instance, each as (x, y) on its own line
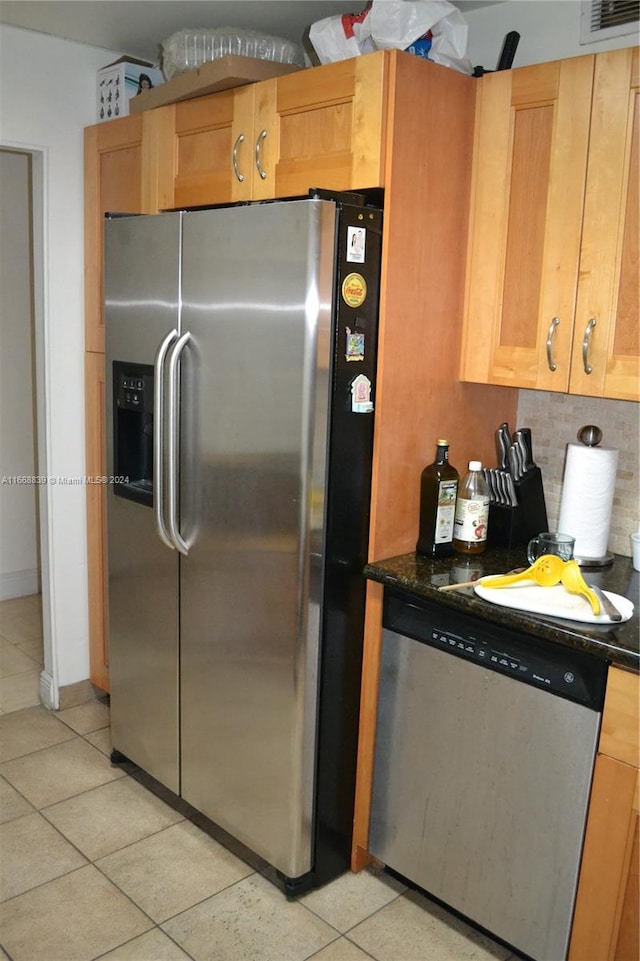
(505, 525)
(515, 526)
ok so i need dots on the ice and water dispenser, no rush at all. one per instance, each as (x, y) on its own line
(133, 431)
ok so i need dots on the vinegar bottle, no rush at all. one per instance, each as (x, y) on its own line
(438, 490)
(472, 512)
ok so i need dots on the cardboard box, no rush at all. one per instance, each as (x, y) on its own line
(120, 82)
(230, 71)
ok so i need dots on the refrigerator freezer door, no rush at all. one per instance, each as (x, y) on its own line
(142, 293)
(257, 285)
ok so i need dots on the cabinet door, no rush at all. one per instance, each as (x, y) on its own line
(605, 922)
(620, 733)
(206, 149)
(96, 520)
(120, 171)
(113, 177)
(532, 134)
(606, 349)
(330, 127)
(605, 926)
(313, 128)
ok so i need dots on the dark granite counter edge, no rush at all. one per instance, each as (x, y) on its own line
(424, 577)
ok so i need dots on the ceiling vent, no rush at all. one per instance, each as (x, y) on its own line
(603, 19)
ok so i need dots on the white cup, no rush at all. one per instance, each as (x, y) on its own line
(635, 550)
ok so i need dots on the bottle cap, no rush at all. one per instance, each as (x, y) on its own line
(475, 465)
(442, 443)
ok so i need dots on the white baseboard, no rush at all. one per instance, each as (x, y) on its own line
(19, 584)
(48, 692)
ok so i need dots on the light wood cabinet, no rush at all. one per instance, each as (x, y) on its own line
(330, 127)
(606, 922)
(119, 177)
(96, 518)
(205, 148)
(112, 182)
(608, 287)
(552, 276)
(277, 138)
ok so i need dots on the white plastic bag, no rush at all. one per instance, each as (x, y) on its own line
(395, 25)
(340, 38)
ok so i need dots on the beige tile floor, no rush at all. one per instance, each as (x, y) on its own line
(93, 865)
(21, 657)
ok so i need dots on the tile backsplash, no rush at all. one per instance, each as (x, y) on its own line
(555, 420)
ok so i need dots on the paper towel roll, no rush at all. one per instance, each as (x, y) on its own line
(587, 498)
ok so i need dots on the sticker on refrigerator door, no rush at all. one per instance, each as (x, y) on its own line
(354, 348)
(356, 240)
(361, 395)
(354, 290)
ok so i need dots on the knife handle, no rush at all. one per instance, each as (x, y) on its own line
(522, 440)
(606, 605)
(503, 442)
(514, 465)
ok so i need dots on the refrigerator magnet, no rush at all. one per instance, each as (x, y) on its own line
(361, 395)
(356, 240)
(354, 290)
(354, 345)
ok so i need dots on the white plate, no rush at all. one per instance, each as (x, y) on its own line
(552, 601)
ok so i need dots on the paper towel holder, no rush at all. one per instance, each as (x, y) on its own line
(590, 436)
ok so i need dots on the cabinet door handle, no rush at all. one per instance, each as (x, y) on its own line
(261, 171)
(552, 329)
(236, 171)
(586, 342)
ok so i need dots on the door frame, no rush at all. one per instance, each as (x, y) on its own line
(49, 684)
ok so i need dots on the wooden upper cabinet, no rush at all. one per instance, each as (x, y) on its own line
(607, 310)
(206, 149)
(330, 127)
(554, 229)
(532, 134)
(120, 177)
(277, 138)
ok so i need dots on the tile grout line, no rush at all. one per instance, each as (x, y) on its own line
(366, 918)
(67, 740)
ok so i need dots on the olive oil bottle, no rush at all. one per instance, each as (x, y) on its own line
(438, 492)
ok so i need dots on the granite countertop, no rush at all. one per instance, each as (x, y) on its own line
(619, 644)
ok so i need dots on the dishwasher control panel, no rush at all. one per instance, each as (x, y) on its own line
(480, 650)
(564, 671)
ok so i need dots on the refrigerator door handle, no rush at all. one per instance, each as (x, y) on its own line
(158, 438)
(172, 447)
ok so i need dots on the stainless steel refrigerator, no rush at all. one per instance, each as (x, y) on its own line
(240, 396)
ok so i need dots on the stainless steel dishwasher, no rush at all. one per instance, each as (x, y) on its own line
(485, 747)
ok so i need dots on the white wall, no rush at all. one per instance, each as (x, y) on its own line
(47, 96)
(549, 30)
(18, 538)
